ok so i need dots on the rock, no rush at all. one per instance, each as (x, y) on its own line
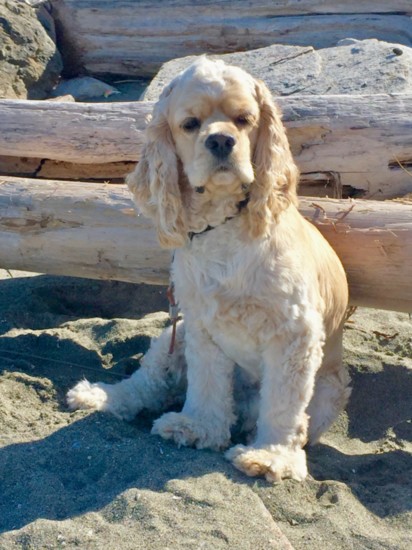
(83, 88)
(30, 63)
(352, 67)
(66, 97)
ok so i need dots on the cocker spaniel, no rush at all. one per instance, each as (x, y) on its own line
(261, 291)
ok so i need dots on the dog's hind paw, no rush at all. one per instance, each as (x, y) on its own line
(85, 395)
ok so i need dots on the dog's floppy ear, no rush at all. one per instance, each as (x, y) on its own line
(155, 181)
(276, 174)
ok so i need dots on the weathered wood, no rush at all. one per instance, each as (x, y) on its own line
(108, 172)
(374, 242)
(88, 133)
(91, 230)
(364, 142)
(131, 37)
(84, 230)
(361, 143)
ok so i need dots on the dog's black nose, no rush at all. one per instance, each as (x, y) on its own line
(220, 145)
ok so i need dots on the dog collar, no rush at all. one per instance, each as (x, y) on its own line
(240, 206)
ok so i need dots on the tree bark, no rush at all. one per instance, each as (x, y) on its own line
(91, 230)
(344, 145)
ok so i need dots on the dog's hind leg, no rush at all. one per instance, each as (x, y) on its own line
(331, 391)
(156, 385)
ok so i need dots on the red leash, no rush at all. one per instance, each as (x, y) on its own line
(173, 314)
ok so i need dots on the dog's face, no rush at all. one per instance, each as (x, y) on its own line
(214, 128)
(214, 120)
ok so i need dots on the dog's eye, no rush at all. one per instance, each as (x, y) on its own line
(243, 120)
(191, 124)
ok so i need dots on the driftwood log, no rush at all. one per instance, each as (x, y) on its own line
(344, 145)
(131, 37)
(91, 230)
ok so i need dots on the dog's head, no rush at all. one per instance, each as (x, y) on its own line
(214, 128)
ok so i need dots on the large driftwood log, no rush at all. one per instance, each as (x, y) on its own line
(356, 143)
(135, 38)
(86, 133)
(78, 229)
(91, 230)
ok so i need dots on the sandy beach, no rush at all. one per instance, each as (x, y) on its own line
(90, 481)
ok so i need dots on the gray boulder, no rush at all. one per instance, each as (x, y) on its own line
(30, 63)
(352, 67)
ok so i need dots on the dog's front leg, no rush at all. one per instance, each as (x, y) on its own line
(288, 374)
(207, 415)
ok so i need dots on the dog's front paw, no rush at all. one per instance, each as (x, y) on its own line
(274, 462)
(189, 432)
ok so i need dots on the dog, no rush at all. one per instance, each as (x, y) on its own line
(260, 289)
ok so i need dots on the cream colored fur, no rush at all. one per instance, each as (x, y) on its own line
(262, 290)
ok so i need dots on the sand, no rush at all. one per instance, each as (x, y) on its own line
(89, 481)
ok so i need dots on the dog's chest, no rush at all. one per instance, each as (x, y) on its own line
(221, 284)
(215, 269)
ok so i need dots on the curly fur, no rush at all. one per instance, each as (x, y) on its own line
(155, 184)
(263, 294)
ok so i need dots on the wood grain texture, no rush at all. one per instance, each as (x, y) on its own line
(84, 230)
(74, 132)
(91, 230)
(134, 38)
(374, 242)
